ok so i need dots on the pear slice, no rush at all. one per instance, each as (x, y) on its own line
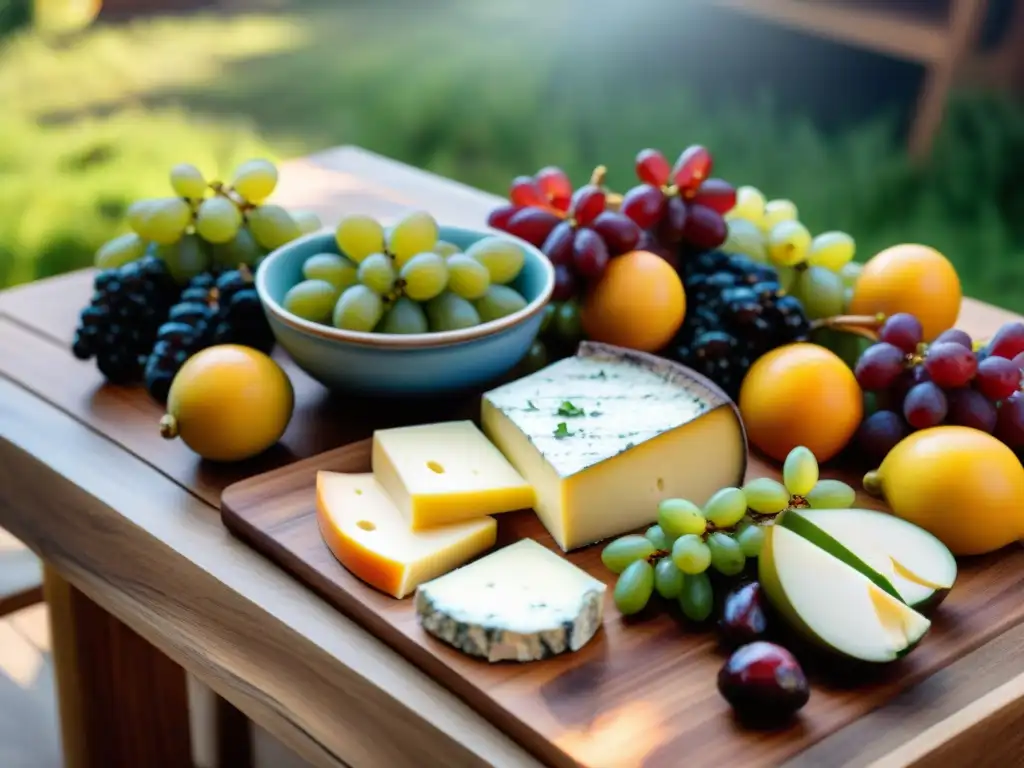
(914, 562)
(834, 604)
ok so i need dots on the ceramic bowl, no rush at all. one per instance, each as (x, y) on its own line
(391, 365)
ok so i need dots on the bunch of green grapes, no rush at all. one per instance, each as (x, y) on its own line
(208, 225)
(404, 279)
(673, 556)
(818, 270)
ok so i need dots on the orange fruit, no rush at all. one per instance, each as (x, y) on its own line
(800, 394)
(638, 303)
(910, 278)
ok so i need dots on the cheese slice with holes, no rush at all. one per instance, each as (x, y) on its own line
(368, 535)
(607, 434)
(445, 473)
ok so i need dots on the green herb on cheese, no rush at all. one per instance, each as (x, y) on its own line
(568, 409)
(562, 430)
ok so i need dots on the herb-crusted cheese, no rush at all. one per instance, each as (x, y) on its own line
(521, 603)
(607, 434)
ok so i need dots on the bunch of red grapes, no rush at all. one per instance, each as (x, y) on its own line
(945, 382)
(676, 209)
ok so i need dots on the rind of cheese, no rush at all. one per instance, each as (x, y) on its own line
(368, 535)
(605, 435)
(521, 603)
(444, 473)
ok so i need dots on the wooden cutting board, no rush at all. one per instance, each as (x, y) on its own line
(644, 690)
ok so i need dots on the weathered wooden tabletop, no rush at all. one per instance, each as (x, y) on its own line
(131, 522)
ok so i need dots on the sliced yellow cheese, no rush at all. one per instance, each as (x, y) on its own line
(607, 434)
(444, 473)
(368, 535)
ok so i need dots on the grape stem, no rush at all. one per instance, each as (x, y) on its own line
(613, 200)
(860, 325)
(168, 427)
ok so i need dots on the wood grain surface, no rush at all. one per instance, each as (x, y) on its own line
(653, 673)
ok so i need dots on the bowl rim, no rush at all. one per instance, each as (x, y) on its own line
(412, 340)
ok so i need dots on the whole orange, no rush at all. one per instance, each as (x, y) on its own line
(638, 303)
(910, 278)
(800, 394)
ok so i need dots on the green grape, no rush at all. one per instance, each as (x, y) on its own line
(547, 316)
(800, 471)
(255, 180)
(242, 249)
(776, 212)
(679, 517)
(272, 226)
(502, 257)
(536, 358)
(377, 272)
(831, 494)
(668, 580)
(851, 273)
(657, 537)
(690, 554)
(831, 250)
(821, 292)
(745, 238)
(625, 550)
(445, 249)
(788, 242)
(749, 205)
(847, 300)
(751, 539)
(697, 598)
(187, 181)
(498, 301)
(307, 221)
(726, 508)
(766, 496)
(425, 276)
(120, 251)
(184, 259)
(449, 312)
(567, 325)
(358, 309)
(332, 268)
(161, 221)
(726, 556)
(312, 300)
(405, 316)
(468, 278)
(634, 588)
(218, 220)
(416, 233)
(787, 277)
(359, 236)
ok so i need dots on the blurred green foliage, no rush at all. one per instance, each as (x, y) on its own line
(476, 91)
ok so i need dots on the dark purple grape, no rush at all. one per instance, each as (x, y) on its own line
(879, 433)
(558, 245)
(674, 220)
(950, 365)
(925, 405)
(589, 253)
(620, 233)
(956, 336)
(644, 204)
(565, 283)
(970, 408)
(532, 225)
(763, 681)
(997, 378)
(879, 367)
(705, 228)
(743, 616)
(902, 330)
(1010, 425)
(1008, 341)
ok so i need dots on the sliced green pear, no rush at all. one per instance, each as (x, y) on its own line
(834, 604)
(919, 566)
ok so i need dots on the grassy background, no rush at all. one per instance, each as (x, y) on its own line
(480, 92)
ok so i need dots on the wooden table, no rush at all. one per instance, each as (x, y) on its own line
(144, 582)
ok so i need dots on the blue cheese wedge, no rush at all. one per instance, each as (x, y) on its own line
(607, 434)
(521, 603)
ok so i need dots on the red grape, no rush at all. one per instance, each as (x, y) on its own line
(997, 378)
(902, 330)
(879, 367)
(691, 169)
(526, 191)
(1008, 341)
(589, 253)
(674, 221)
(620, 233)
(763, 682)
(587, 203)
(1010, 426)
(879, 433)
(644, 204)
(950, 365)
(565, 283)
(652, 168)
(533, 225)
(499, 217)
(1019, 360)
(705, 228)
(556, 185)
(970, 408)
(648, 242)
(925, 406)
(956, 336)
(717, 194)
(558, 245)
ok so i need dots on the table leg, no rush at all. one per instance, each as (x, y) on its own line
(121, 702)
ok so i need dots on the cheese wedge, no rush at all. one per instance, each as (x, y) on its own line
(445, 473)
(605, 435)
(370, 537)
(520, 603)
